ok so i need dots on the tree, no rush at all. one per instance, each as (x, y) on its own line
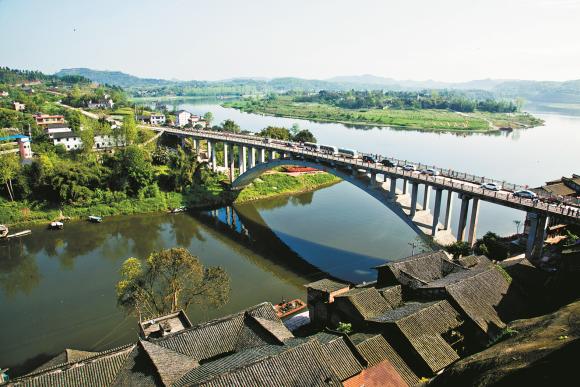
(458, 249)
(304, 136)
(294, 129)
(170, 280)
(275, 132)
(132, 169)
(128, 130)
(9, 169)
(231, 126)
(208, 117)
(517, 223)
(87, 134)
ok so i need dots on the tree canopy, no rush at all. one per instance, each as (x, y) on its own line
(170, 280)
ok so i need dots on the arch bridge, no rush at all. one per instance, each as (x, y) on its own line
(257, 155)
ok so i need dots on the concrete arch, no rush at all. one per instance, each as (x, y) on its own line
(251, 174)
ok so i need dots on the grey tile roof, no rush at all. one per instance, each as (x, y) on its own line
(375, 349)
(472, 261)
(170, 365)
(138, 370)
(338, 355)
(99, 370)
(298, 363)
(479, 295)
(393, 295)
(368, 302)
(422, 324)
(327, 285)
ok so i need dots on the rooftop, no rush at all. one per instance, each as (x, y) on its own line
(327, 285)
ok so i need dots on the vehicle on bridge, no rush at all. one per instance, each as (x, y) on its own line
(430, 172)
(348, 153)
(492, 186)
(525, 193)
(387, 163)
(409, 167)
(310, 146)
(329, 150)
(369, 159)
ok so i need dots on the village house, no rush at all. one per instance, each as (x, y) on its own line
(51, 129)
(104, 103)
(72, 141)
(3, 93)
(16, 143)
(19, 107)
(182, 118)
(153, 119)
(46, 119)
(565, 187)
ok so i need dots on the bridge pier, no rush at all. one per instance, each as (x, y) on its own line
(243, 153)
(536, 235)
(448, 210)
(414, 189)
(252, 157)
(404, 186)
(225, 154)
(462, 217)
(473, 222)
(262, 155)
(232, 165)
(436, 212)
(393, 187)
(209, 146)
(272, 155)
(195, 144)
(426, 195)
(373, 178)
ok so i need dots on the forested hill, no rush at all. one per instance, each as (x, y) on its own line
(540, 91)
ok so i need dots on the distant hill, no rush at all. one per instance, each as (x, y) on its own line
(539, 91)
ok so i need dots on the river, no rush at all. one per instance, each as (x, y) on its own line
(57, 288)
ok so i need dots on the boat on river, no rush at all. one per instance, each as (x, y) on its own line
(56, 226)
(3, 231)
(95, 219)
(286, 308)
(178, 210)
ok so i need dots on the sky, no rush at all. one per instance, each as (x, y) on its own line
(443, 40)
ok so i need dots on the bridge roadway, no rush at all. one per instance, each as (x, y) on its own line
(468, 187)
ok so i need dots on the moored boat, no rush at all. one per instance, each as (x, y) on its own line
(95, 219)
(178, 210)
(286, 308)
(56, 226)
(3, 231)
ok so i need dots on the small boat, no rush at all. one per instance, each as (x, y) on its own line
(3, 231)
(95, 219)
(506, 128)
(286, 308)
(56, 225)
(19, 234)
(178, 210)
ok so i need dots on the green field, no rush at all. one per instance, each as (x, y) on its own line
(431, 119)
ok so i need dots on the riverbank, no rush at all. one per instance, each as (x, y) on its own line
(420, 119)
(20, 213)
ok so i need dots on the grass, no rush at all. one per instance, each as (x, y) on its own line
(276, 184)
(426, 119)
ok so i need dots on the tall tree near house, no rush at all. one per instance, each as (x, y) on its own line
(128, 130)
(9, 169)
(208, 117)
(167, 281)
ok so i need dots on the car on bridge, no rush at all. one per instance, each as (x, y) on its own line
(524, 193)
(387, 163)
(409, 167)
(491, 186)
(369, 159)
(430, 172)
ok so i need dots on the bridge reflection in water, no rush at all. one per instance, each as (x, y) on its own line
(245, 225)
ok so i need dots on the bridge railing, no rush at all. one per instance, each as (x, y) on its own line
(469, 182)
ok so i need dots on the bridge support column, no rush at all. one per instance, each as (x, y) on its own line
(225, 154)
(436, 212)
(414, 189)
(195, 145)
(213, 159)
(373, 178)
(463, 217)
(209, 150)
(232, 166)
(243, 153)
(272, 155)
(426, 195)
(252, 157)
(393, 187)
(448, 210)
(473, 222)
(536, 235)
(262, 155)
(404, 186)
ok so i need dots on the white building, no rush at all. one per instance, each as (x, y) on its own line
(182, 118)
(51, 129)
(157, 119)
(72, 141)
(18, 106)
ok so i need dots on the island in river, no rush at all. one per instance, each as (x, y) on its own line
(417, 118)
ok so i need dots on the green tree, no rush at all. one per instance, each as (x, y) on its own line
(208, 117)
(128, 133)
(295, 129)
(169, 280)
(231, 126)
(459, 249)
(275, 132)
(304, 136)
(9, 169)
(132, 169)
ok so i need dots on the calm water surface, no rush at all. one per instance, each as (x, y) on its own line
(57, 288)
